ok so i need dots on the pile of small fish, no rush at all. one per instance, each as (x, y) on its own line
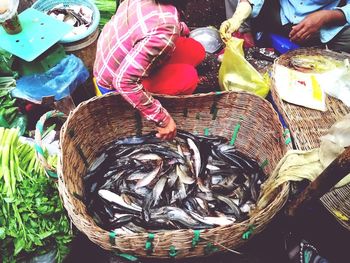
(79, 16)
(140, 184)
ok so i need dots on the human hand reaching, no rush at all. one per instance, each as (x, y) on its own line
(168, 132)
(308, 27)
(231, 25)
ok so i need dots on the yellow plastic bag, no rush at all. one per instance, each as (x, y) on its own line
(236, 73)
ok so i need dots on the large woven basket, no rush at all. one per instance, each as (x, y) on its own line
(101, 120)
(307, 126)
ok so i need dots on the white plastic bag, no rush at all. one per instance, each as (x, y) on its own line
(336, 83)
(299, 88)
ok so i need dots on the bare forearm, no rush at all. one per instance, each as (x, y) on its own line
(333, 17)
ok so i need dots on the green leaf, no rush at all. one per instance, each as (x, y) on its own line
(2, 233)
(19, 245)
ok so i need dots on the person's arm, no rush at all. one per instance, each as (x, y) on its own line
(231, 25)
(136, 66)
(312, 24)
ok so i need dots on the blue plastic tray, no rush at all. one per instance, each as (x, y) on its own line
(39, 33)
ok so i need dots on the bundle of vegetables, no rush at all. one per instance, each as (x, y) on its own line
(107, 9)
(9, 115)
(32, 218)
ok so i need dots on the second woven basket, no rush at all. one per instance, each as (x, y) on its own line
(249, 121)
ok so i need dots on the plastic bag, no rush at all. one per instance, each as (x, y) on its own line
(299, 88)
(236, 73)
(60, 81)
(336, 83)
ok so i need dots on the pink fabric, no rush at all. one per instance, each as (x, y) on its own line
(138, 38)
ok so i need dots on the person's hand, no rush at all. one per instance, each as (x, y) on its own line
(308, 27)
(231, 25)
(228, 27)
(168, 132)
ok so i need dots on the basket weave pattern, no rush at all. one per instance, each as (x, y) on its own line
(101, 120)
(307, 126)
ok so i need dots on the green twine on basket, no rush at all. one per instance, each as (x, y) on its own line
(149, 243)
(206, 131)
(235, 132)
(112, 238)
(264, 163)
(246, 235)
(126, 256)
(286, 135)
(195, 239)
(210, 248)
(198, 116)
(172, 252)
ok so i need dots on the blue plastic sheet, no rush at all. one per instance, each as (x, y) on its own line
(60, 81)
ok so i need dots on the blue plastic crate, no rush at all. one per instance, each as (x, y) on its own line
(46, 5)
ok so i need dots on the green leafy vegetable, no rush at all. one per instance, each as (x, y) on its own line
(32, 218)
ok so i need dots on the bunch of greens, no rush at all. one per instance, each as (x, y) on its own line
(32, 218)
(107, 10)
(9, 115)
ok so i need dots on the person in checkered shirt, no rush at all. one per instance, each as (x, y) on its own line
(144, 49)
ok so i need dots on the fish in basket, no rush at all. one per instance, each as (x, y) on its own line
(198, 194)
(141, 184)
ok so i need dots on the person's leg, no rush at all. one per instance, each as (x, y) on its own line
(341, 42)
(187, 51)
(172, 79)
(178, 76)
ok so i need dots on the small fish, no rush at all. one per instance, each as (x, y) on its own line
(117, 199)
(196, 156)
(213, 221)
(184, 178)
(146, 180)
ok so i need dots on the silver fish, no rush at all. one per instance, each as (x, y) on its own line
(117, 199)
(149, 178)
(196, 156)
(183, 176)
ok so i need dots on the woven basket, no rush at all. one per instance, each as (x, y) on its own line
(99, 121)
(307, 126)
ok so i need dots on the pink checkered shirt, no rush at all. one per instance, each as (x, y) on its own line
(139, 37)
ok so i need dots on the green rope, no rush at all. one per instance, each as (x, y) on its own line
(126, 256)
(196, 238)
(206, 131)
(210, 248)
(172, 252)
(149, 243)
(40, 127)
(39, 149)
(235, 132)
(286, 135)
(51, 174)
(246, 235)
(264, 163)
(307, 256)
(112, 238)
